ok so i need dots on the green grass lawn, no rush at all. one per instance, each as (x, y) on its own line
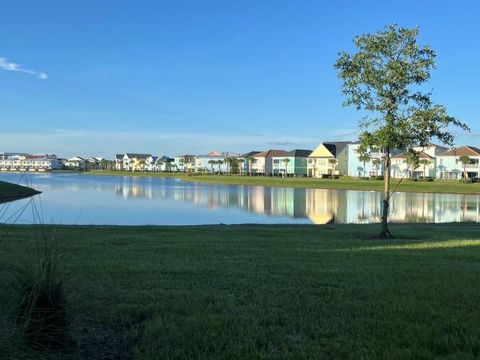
(9, 191)
(342, 183)
(258, 291)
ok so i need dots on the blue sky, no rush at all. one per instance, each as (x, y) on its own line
(178, 76)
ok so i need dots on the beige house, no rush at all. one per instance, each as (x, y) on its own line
(258, 164)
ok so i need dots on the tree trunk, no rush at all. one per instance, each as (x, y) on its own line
(385, 232)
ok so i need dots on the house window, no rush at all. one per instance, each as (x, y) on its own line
(276, 161)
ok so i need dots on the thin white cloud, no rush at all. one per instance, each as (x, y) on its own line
(9, 66)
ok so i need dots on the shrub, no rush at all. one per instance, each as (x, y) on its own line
(41, 320)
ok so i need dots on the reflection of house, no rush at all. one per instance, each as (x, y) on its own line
(449, 165)
(293, 163)
(321, 205)
(325, 158)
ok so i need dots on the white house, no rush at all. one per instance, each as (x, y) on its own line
(449, 165)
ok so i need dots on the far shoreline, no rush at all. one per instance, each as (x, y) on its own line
(356, 184)
(343, 183)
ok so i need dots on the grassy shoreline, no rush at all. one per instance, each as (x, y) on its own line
(340, 184)
(11, 192)
(260, 291)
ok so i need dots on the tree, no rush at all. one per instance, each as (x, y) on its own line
(286, 160)
(240, 165)
(232, 165)
(385, 79)
(464, 159)
(189, 161)
(219, 163)
(211, 163)
(376, 164)
(181, 162)
(412, 160)
(251, 160)
(364, 157)
(425, 163)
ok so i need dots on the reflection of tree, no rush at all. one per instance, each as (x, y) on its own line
(319, 205)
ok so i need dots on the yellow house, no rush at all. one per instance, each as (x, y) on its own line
(324, 160)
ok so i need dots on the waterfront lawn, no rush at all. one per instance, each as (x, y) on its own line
(258, 291)
(345, 183)
(9, 191)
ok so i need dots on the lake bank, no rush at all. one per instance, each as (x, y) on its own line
(334, 184)
(258, 291)
(10, 192)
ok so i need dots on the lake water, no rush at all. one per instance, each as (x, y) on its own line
(116, 200)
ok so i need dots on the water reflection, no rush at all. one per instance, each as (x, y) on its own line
(321, 206)
(131, 200)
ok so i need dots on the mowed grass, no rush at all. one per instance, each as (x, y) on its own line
(264, 292)
(342, 183)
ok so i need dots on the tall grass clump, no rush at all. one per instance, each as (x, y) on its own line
(37, 318)
(41, 318)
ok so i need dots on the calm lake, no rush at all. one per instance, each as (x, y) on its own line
(84, 199)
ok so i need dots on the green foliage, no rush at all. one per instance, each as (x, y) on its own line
(464, 159)
(233, 165)
(384, 78)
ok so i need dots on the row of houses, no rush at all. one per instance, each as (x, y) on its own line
(327, 160)
(47, 162)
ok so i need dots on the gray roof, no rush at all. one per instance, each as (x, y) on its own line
(164, 159)
(138, 156)
(250, 154)
(299, 153)
(336, 147)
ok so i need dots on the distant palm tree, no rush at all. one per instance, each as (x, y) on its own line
(464, 159)
(189, 162)
(286, 160)
(425, 163)
(377, 163)
(219, 163)
(364, 158)
(211, 162)
(251, 161)
(240, 163)
(181, 162)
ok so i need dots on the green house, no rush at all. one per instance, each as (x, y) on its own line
(293, 163)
